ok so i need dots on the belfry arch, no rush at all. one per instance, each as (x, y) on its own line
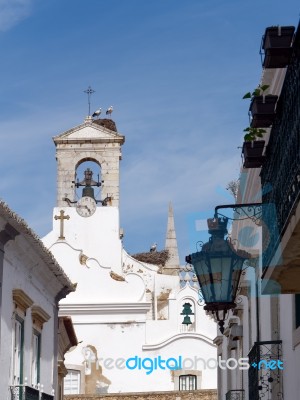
(88, 142)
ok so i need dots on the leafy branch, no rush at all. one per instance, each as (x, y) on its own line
(259, 91)
(253, 133)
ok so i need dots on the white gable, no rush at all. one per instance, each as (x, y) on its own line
(90, 131)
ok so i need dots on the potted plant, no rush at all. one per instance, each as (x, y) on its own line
(276, 44)
(262, 107)
(253, 148)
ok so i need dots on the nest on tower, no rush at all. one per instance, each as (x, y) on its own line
(107, 123)
(153, 257)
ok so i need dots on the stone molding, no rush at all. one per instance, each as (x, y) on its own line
(190, 335)
(39, 316)
(21, 300)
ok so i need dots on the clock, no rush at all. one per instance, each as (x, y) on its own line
(86, 206)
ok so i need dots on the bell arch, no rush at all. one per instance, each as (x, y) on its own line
(88, 142)
(88, 169)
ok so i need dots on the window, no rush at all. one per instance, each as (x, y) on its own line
(36, 355)
(72, 382)
(187, 382)
(18, 349)
(21, 303)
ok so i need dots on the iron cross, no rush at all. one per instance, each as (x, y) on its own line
(61, 217)
(89, 92)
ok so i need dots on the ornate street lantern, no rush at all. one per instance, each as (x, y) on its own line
(218, 268)
(187, 311)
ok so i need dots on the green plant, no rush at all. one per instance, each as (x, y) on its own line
(259, 91)
(253, 133)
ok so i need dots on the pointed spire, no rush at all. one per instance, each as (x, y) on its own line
(171, 242)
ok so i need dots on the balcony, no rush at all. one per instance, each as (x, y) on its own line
(235, 395)
(280, 173)
(264, 374)
(23, 392)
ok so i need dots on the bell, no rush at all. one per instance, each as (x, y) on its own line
(187, 311)
(88, 191)
(186, 320)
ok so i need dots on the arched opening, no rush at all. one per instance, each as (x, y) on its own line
(88, 179)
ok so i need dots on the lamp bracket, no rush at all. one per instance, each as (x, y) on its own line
(252, 211)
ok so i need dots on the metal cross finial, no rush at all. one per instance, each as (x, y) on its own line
(61, 217)
(89, 92)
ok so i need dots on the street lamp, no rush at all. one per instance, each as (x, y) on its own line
(218, 267)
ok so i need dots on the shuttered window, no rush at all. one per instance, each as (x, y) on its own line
(18, 350)
(72, 382)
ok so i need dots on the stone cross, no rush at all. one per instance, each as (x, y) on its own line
(61, 217)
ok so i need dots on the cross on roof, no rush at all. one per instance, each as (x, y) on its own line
(89, 91)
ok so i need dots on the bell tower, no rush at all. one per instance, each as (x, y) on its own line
(97, 141)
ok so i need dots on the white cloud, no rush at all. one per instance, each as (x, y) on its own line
(12, 12)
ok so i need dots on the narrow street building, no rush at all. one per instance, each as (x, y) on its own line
(265, 325)
(32, 284)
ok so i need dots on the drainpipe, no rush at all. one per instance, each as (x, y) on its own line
(257, 311)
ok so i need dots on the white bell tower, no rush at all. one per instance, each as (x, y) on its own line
(84, 219)
(94, 140)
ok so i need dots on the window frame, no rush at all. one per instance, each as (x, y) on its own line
(18, 336)
(191, 382)
(36, 357)
(78, 388)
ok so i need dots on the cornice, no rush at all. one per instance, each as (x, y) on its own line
(115, 137)
(108, 308)
(179, 336)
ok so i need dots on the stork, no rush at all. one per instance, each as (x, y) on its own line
(97, 113)
(109, 110)
(153, 247)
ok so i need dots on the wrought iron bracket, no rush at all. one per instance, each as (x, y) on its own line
(252, 211)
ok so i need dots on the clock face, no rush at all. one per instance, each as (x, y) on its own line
(86, 206)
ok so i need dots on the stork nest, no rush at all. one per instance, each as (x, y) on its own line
(153, 257)
(107, 123)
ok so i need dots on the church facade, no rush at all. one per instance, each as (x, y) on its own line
(127, 311)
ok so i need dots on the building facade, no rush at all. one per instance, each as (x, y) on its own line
(265, 325)
(32, 284)
(126, 310)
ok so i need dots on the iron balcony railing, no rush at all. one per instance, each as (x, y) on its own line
(24, 392)
(280, 173)
(235, 395)
(265, 372)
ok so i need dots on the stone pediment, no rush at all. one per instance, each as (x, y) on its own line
(91, 131)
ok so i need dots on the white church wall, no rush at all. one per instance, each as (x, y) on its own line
(98, 238)
(123, 342)
(122, 308)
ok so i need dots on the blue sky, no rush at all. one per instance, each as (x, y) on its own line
(175, 72)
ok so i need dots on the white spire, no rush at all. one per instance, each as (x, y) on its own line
(171, 242)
